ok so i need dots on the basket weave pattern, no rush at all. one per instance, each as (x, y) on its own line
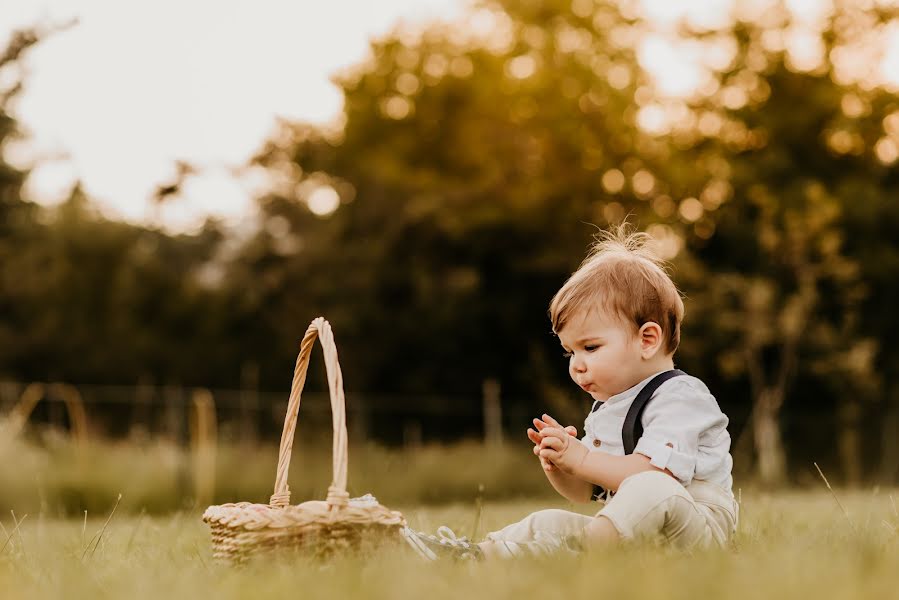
(242, 529)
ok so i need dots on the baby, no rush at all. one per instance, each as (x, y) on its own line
(655, 451)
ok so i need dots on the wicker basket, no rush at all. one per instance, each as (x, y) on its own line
(241, 530)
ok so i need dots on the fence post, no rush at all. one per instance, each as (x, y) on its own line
(412, 434)
(493, 413)
(204, 444)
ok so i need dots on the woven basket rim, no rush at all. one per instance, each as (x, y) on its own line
(311, 515)
(295, 509)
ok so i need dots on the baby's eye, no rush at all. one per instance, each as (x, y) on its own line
(591, 347)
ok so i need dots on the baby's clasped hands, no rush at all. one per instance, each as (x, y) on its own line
(534, 436)
(556, 445)
(552, 445)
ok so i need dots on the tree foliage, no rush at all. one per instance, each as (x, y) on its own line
(470, 172)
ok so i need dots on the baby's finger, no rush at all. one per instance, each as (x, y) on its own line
(533, 436)
(553, 432)
(571, 430)
(550, 421)
(552, 442)
(539, 424)
(549, 454)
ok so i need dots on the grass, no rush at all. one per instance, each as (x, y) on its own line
(64, 533)
(790, 544)
(57, 478)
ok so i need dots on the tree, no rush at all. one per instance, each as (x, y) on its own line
(467, 172)
(782, 276)
(16, 215)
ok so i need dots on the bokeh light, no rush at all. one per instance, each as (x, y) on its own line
(323, 200)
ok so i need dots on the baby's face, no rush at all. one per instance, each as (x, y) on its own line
(604, 353)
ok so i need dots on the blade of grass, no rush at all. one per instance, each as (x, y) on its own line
(99, 535)
(840, 504)
(18, 532)
(83, 528)
(140, 521)
(9, 537)
(199, 556)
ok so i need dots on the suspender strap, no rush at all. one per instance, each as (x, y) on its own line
(632, 430)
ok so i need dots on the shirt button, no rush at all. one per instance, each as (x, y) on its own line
(597, 443)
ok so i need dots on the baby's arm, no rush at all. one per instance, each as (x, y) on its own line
(571, 487)
(606, 470)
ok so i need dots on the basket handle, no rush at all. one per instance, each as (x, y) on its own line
(337, 494)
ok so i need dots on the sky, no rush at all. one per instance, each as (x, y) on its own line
(115, 100)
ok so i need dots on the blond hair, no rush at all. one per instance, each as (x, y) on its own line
(622, 276)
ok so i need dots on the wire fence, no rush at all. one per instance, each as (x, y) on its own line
(253, 416)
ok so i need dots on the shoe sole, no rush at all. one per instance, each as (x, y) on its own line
(416, 544)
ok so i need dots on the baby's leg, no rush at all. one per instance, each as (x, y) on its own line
(599, 533)
(653, 505)
(540, 532)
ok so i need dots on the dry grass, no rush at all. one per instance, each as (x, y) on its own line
(62, 479)
(790, 545)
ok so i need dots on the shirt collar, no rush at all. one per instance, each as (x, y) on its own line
(628, 394)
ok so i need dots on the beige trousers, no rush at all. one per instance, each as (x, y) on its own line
(648, 505)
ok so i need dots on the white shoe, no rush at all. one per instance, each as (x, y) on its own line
(444, 545)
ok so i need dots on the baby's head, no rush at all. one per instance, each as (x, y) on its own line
(618, 316)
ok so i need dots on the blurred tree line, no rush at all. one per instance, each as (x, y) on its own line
(434, 224)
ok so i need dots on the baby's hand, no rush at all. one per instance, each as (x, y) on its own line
(557, 448)
(535, 437)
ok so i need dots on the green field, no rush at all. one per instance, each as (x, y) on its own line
(792, 544)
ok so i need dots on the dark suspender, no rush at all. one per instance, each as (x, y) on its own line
(632, 430)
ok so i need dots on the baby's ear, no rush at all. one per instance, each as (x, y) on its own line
(650, 339)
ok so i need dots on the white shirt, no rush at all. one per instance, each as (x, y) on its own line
(684, 430)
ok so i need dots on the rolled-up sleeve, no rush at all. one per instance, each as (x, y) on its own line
(673, 422)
